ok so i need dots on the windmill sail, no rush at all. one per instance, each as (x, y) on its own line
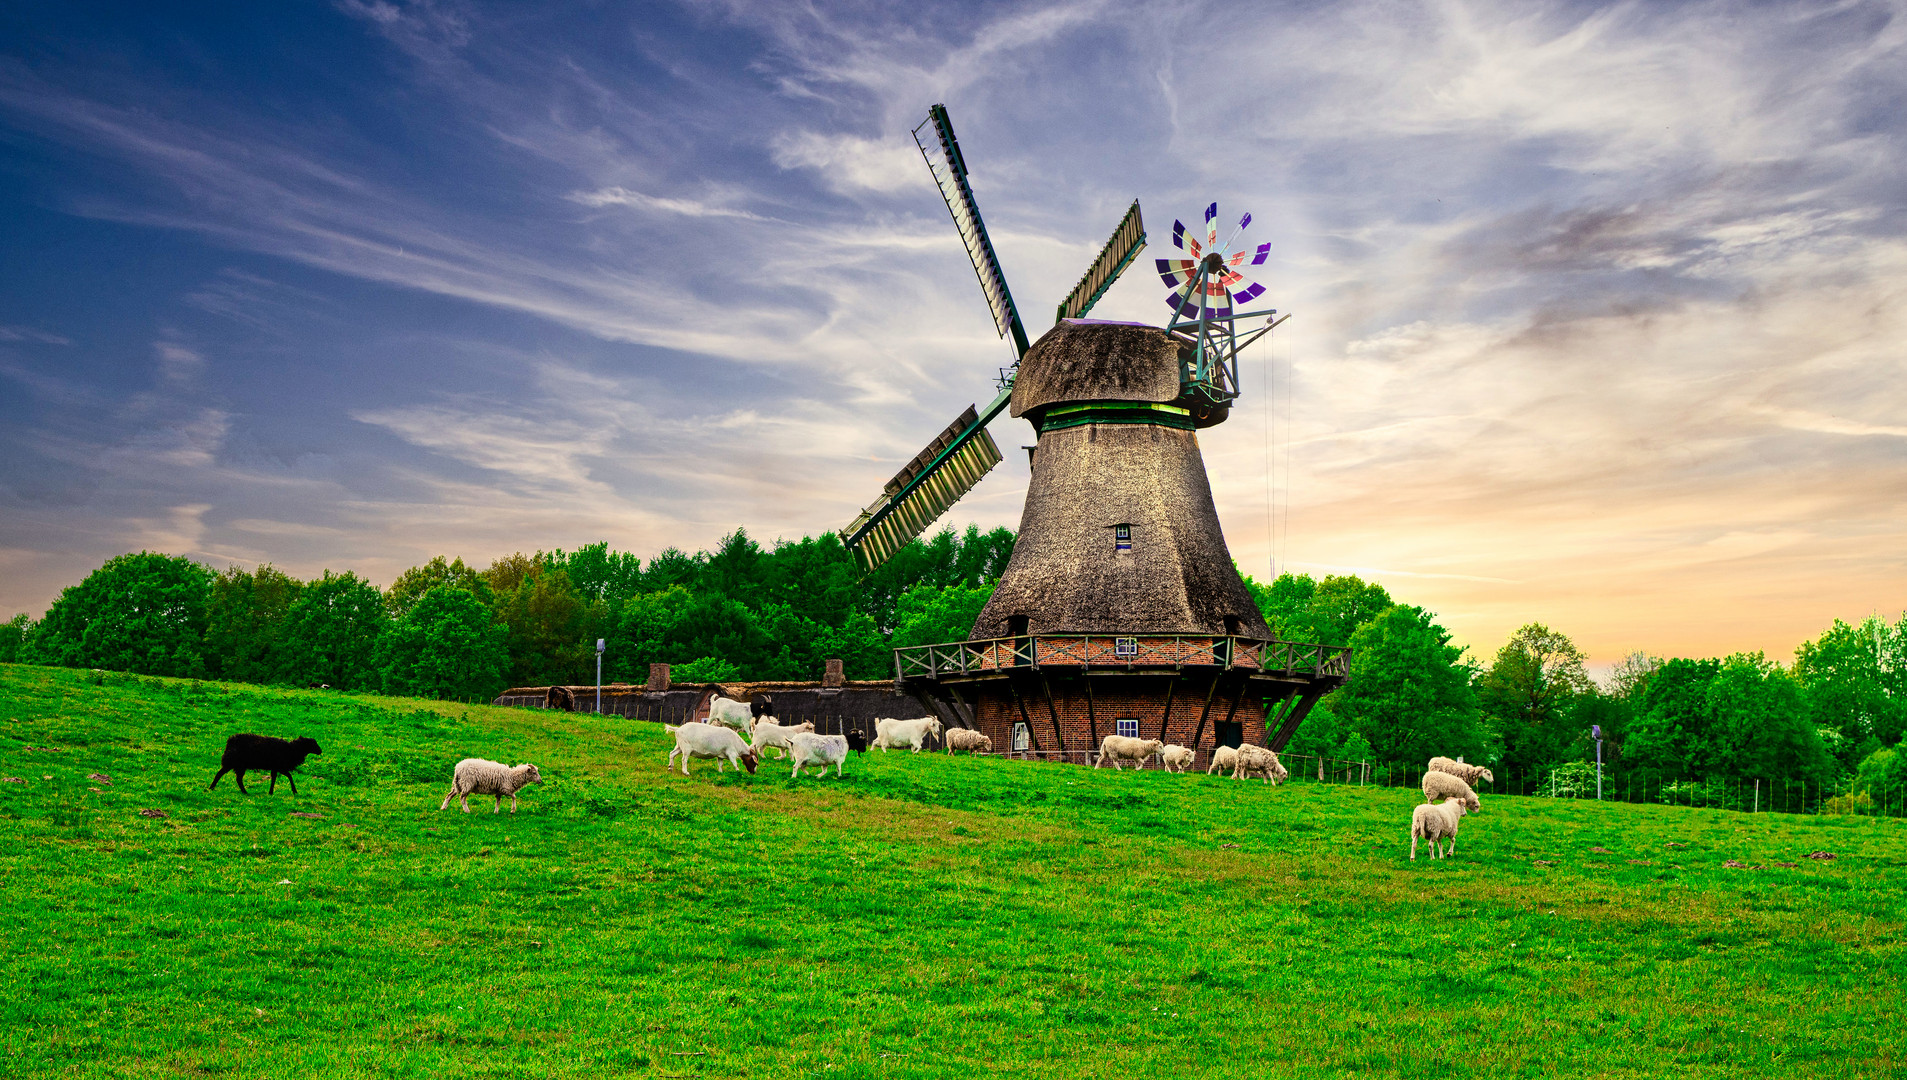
(950, 172)
(1127, 241)
(938, 476)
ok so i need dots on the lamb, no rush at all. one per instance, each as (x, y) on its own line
(891, 734)
(729, 713)
(479, 776)
(1441, 785)
(1258, 761)
(709, 741)
(969, 740)
(262, 753)
(1120, 748)
(1434, 822)
(823, 750)
(770, 732)
(1469, 774)
(1225, 757)
(1175, 758)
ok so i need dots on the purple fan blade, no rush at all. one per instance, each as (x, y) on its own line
(1244, 221)
(1263, 251)
(1211, 212)
(1178, 234)
(1252, 292)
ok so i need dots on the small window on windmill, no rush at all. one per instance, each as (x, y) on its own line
(1022, 737)
(1122, 538)
(1127, 726)
(1125, 646)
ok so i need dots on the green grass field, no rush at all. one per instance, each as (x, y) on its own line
(921, 917)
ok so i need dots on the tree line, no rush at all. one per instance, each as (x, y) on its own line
(744, 610)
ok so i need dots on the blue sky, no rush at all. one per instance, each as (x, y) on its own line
(1598, 319)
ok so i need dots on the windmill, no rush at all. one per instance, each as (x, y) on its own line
(1120, 610)
(960, 456)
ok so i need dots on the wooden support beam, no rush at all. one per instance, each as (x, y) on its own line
(1165, 718)
(1092, 722)
(1199, 736)
(1053, 711)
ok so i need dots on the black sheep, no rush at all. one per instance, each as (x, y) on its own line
(264, 753)
(857, 740)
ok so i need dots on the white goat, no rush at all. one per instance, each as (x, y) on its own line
(1118, 748)
(1469, 774)
(1258, 761)
(729, 713)
(1224, 757)
(770, 732)
(891, 734)
(1433, 823)
(1442, 785)
(1175, 758)
(480, 776)
(709, 741)
(969, 740)
(808, 748)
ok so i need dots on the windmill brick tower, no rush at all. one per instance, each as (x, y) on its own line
(1120, 611)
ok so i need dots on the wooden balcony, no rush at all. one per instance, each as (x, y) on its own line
(1136, 653)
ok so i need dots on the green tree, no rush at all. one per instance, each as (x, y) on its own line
(1846, 680)
(1669, 734)
(597, 573)
(245, 623)
(331, 633)
(1758, 724)
(1409, 693)
(706, 669)
(1528, 693)
(13, 636)
(1324, 612)
(144, 613)
(445, 646)
(929, 615)
(552, 631)
(412, 584)
(643, 632)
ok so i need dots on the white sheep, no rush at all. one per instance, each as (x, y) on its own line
(1469, 774)
(1258, 761)
(969, 740)
(709, 741)
(479, 776)
(892, 734)
(770, 732)
(807, 748)
(729, 713)
(1224, 757)
(1434, 822)
(1442, 785)
(1118, 748)
(1175, 758)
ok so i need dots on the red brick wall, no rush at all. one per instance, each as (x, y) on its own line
(1113, 698)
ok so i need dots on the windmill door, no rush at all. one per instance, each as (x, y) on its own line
(1230, 733)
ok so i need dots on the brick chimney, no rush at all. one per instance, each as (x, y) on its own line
(833, 676)
(658, 679)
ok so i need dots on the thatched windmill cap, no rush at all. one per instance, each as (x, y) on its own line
(1085, 360)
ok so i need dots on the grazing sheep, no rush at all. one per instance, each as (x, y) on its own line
(1441, 785)
(1175, 758)
(857, 740)
(262, 753)
(971, 741)
(729, 713)
(1433, 823)
(1258, 761)
(1119, 748)
(891, 734)
(823, 750)
(478, 776)
(1225, 757)
(709, 741)
(769, 732)
(1469, 774)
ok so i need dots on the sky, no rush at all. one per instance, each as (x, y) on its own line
(1599, 312)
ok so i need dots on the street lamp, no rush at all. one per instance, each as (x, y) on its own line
(600, 646)
(1595, 732)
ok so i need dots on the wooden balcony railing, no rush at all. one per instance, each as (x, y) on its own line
(1125, 652)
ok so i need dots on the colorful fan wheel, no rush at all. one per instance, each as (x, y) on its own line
(1223, 286)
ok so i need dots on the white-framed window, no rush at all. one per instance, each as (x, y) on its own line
(1127, 726)
(1125, 646)
(1022, 738)
(1122, 537)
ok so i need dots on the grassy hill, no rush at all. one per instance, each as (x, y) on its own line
(921, 917)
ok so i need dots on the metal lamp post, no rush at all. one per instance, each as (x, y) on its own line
(600, 645)
(1595, 732)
